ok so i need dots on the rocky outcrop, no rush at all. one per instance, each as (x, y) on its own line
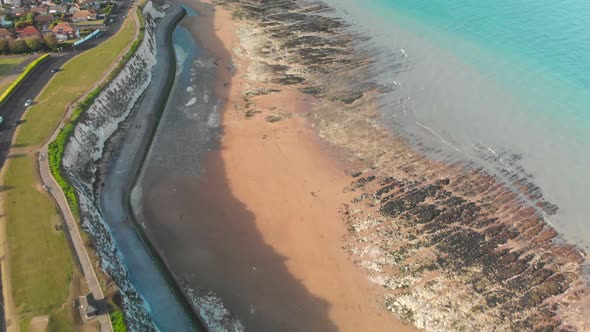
(85, 148)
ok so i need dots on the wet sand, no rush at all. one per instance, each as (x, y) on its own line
(259, 226)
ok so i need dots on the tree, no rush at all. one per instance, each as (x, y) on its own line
(35, 44)
(4, 49)
(18, 46)
(31, 16)
(50, 40)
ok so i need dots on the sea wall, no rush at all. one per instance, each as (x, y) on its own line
(85, 148)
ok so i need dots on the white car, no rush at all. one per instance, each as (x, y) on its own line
(1, 119)
(28, 103)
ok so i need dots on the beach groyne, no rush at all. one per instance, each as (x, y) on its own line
(421, 229)
(85, 149)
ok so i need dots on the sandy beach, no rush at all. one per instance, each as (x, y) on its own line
(260, 228)
(294, 208)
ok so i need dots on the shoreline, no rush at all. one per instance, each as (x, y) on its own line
(413, 223)
(319, 298)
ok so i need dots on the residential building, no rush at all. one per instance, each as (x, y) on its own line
(41, 10)
(14, 3)
(29, 32)
(5, 34)
(4, 23)
(88, 4)
(17, 11)
(57, 9)
(84, 15)
(64, 31)
(44, 21)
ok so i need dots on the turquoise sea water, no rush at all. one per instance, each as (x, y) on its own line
(483, 80)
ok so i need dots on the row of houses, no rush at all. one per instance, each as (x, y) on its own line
(52, 9)
(82, 4)
(62, 31)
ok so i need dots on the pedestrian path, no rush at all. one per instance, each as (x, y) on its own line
(55, 190)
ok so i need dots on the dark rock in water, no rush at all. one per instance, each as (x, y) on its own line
(288, 80)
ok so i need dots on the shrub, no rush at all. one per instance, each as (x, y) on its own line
(18, 46)
(35, 44)
(118, 321)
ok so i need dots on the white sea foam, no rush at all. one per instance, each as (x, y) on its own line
(191, 102)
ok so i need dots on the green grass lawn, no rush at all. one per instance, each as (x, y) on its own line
(89, 23)
(41, 262)
(4, 85)
(8, 63)
(77, 77)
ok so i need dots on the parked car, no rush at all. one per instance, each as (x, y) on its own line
(28, 103)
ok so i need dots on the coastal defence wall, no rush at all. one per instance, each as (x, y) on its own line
(85, 148)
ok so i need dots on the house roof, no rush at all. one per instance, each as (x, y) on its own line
(44, 18)
(57, 8)
(29, 32)
(17, 10)
(84, 14)
(63, 27)
(39, 10)
(5, 32)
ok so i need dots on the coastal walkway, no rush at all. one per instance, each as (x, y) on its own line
(76, 238)
(72, 226)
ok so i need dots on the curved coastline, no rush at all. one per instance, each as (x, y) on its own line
(150, 297)
(136, 136)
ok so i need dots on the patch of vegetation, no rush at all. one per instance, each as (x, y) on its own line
(9, 63)
(55, 152)
(24, 324)
(22, 76)
(118, 321)
(61, 321)
(40, 257)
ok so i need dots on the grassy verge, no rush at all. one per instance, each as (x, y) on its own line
(60, 321)
(69, 85)
(40, 257)
(22, 76)
(41, 262)
(89, 23)
(9, 63)
(4, 85)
